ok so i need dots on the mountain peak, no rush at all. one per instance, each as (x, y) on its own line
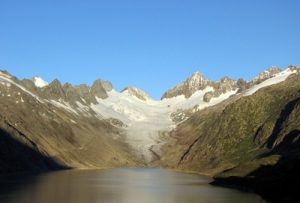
(39, 82)
(107, 86)
(196, 76)
(188, 87)
(98, 89)
(138, 93)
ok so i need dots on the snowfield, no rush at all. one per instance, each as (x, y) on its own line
(280, 77)
(146, 120)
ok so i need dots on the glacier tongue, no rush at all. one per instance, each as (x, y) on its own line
(147, 120)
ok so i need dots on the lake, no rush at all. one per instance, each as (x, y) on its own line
(118, 186)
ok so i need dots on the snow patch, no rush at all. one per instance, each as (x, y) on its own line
(72, 121)
(39, 82)
(279, 77)
(83, 108)
(64, 105)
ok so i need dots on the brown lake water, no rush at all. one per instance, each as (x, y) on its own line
(118, 186)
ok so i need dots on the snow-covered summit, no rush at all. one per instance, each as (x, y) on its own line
(39, 82)
(138, 93)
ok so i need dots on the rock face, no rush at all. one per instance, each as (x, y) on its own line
(138, 93)
(188, 87)
(54, 91)
(71, 93)
(85, 93)
(106, 85)
(208, 96)
(98, 89)
(197, 82)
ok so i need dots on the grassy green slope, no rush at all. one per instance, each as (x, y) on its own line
(234, 137)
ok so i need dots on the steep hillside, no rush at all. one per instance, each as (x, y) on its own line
(237, 130)
(253, 137)
(37, 134)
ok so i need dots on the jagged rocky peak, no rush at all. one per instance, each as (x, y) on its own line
(188, 87)
(100, 88)
(242, 85)
(196, 81)
(270, 72)
(39, 82)
(72, 95)
(226, 84)
(85, 94)
(54, 90)
(221, 87)
(138, 93)
(106, 85)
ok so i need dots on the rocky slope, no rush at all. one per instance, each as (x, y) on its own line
(197, 82)
(40, 130)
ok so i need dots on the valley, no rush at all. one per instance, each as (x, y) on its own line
(226, 128)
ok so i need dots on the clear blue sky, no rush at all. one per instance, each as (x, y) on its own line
(151, 44)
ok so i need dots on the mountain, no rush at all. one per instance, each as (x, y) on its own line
(249, 140)
(221, 128)
(50, 128)
(188, 87)
(196, 82)
(138, 93)
(271, 72)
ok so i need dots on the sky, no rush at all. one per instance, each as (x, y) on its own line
(150, 44)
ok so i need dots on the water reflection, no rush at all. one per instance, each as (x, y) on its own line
(118, 186)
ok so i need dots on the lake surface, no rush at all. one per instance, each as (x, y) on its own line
(118, 186)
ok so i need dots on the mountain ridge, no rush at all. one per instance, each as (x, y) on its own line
(133, 120)
(196, 81)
